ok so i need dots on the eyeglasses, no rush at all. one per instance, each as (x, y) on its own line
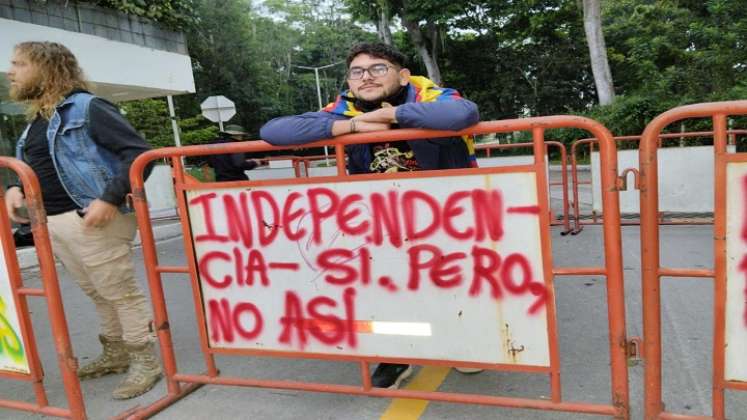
(377, 70)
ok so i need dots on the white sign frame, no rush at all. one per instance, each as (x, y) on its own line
(528, 347)
(12, 334)
(735, 328)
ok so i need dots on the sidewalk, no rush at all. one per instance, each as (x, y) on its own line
(162, 229)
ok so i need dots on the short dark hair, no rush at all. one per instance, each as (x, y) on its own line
(377, 50)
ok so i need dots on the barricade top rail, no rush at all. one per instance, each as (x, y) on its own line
(484, 146)
(701, 110)
(524, 124)
(686, 134)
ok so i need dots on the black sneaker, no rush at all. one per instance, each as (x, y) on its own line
(390, 375)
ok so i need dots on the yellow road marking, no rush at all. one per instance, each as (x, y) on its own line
(429, 378)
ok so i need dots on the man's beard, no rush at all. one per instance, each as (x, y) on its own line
(29, 91)
(395, 98)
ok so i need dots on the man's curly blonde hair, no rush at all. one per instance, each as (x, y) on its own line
(58, 74)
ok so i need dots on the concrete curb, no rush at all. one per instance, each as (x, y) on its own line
(27, 256)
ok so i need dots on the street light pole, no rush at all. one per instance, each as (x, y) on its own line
(319, 92)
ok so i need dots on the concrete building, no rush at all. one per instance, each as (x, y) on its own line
(124, 57)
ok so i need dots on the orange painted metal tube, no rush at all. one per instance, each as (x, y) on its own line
(677, 272)
(651, 269)
(719, 256)
(586, 271)
(539, 149)
(403, 393)
(66, 360)
(619, 406)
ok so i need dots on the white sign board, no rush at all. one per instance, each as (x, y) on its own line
(736, 272)
(446, 268)
(218, 108)
(13, 356)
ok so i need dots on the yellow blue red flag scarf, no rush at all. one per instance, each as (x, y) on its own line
(423, 89)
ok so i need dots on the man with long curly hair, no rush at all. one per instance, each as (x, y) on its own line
(81, 149)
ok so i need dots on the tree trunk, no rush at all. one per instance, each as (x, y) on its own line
(416, 37)
(385, 34)
(600, 67)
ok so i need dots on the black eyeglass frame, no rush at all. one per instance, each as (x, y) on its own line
(368, 70)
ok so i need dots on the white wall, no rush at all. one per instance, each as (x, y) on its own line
(685, 180)
(159, 191)
(107, 62)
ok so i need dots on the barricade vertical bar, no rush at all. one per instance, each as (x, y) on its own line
(66, 360)
(574, 177)
(150, 260)
(564, 182)
(181, 199)
(613, 262)
(538, 138)
(365, 375)
(340, 157)
(651, 300)
(719, 258)
(58, 324)
(65, 357)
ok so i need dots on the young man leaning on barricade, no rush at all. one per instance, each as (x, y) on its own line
(383, 95)
(81, 149)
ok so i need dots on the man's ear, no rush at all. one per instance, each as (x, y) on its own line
(404, 77)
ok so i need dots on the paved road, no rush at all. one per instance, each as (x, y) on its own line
(686, 314)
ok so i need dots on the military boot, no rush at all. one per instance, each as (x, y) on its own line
(113, 359)
(145, 371)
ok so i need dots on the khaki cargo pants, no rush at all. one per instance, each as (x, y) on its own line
(100, 260)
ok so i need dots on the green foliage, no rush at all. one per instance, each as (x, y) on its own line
(513, 58)
(151, 118)
(253, 59)
(178, 15)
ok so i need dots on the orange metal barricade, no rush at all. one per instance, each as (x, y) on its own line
(50, 290)
(651, 268)
(578, 224)
(563, 177)
(180, 384)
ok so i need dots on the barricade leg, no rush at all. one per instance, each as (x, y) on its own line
(50, 290)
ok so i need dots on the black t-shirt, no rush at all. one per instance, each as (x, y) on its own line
(36, 154)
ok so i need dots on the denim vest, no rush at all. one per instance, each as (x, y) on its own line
(84, 167)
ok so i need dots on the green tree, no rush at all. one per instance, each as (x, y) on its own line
(151, 118)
